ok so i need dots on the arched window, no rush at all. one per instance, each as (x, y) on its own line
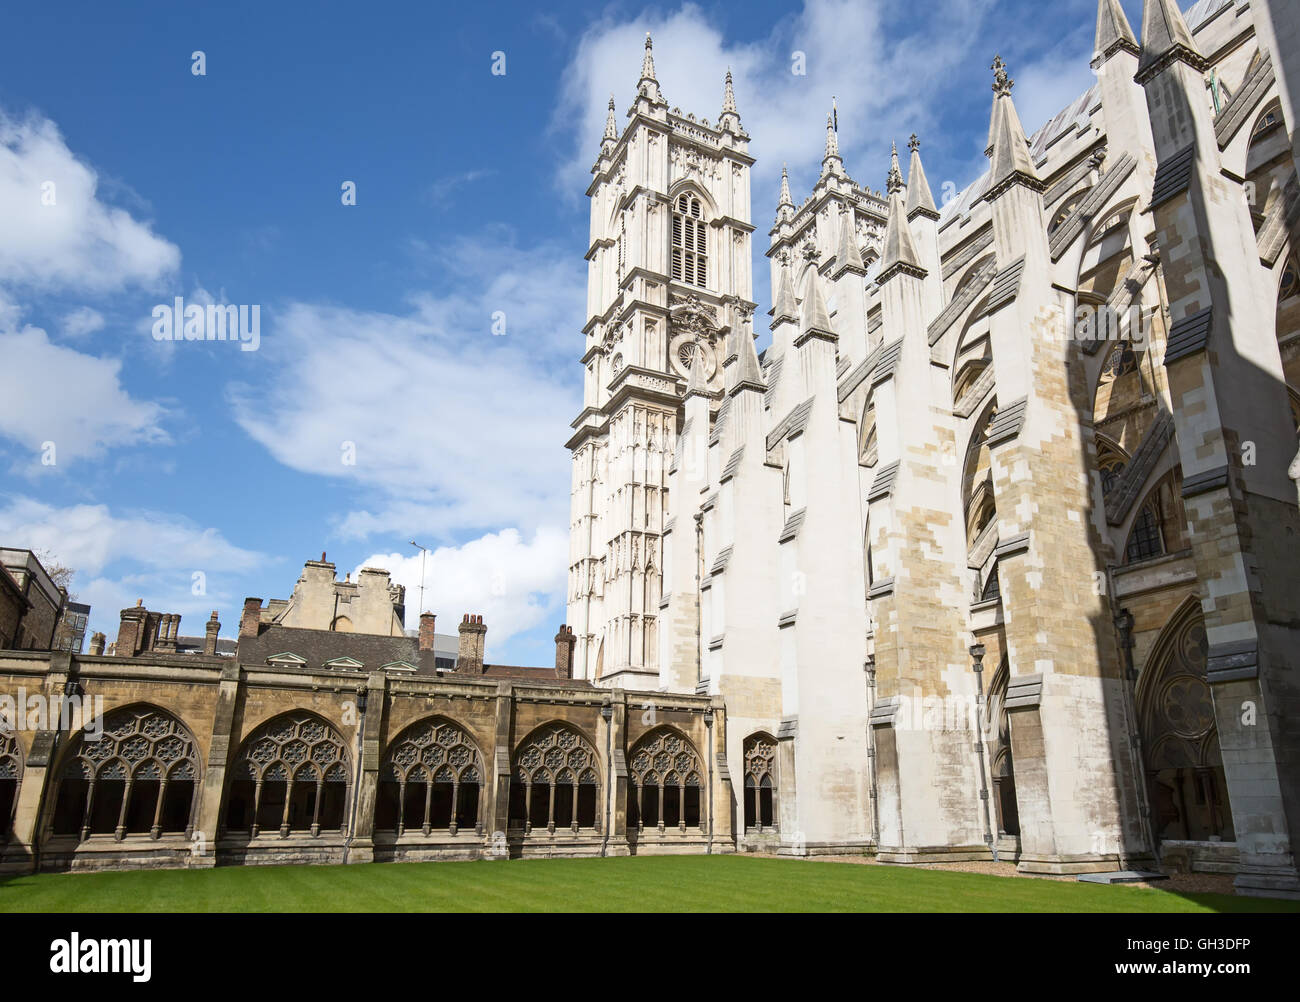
(556, 781)
(138, 777)
(760, 784)
(690, 241)
(1184, 765)
(1146, 540)
(664, 790)
(992, 589)
(1111, 463)
(291, 775)
(431, 779)
(11, 771)
(977, 480)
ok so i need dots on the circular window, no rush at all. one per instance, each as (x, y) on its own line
(616, 363)
(686, 354)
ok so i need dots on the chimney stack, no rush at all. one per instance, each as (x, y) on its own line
(252, 617)
(427, 620)
(210, 641)
(130, 631)
(564, 641)
(469, 657)
(97, 641)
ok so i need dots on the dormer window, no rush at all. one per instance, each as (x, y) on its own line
(690, 247)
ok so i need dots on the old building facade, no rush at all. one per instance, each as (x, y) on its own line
(993, 551)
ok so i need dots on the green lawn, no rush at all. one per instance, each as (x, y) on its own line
(646, 883)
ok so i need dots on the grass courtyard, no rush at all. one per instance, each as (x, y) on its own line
(646, 883)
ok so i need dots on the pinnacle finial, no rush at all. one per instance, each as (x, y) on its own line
(832, 139)
(728, 96)
(895, 181)
(611, 130)
(914, 144)
(1002, 83)
(785, 187)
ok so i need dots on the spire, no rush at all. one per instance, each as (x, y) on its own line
(611, 130)
(1113, 31)
(785, 307)
(831, 163)
(648, 86)
(816, 318)
(900, 254)
(784, 204)
(1012, 163)
(894, 183)
(1165, 39)
(749, 375)
(696, 385)
(847, 255)
(729, 120)
(919, 198)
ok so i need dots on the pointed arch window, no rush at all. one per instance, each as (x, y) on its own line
(431, 780)
(292, 774)
(664, 791)
(136, 778)
(760, 784)
(1146, 540)
(11, 771)
(690, 242)
(556, 782)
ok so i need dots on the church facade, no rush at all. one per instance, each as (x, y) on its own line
(992, 553)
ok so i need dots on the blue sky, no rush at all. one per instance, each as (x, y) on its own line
(177, 459)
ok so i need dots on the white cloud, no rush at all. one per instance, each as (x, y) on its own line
(82, 321)
(854, 50)
(74, 400)
(455, 428)
(514, 584)
(119, 558)
(57, 233)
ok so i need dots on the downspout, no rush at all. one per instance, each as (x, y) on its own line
(977, 655)
(870, 666)
(362, 693)
(607, 714)
(1124, 625)
(708, 722)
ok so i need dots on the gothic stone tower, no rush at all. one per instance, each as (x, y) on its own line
(669, 277)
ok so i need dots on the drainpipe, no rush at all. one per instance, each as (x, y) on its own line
(870, 667)
(607, 714)
(708, 722)
(977, 655)
(1124, 624)
(362, 693)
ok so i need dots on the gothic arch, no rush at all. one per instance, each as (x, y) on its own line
(1183, 762)
(1160, 524)
(138, 776)
(555, 780)
(688, 185)
(979, 504)
(431, 779)
(1000, 756)
(292, 774)
(760, 783)
(665, 782)
(975, 340)
(11, 777)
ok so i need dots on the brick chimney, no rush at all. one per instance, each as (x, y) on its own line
(130, 631)
(564, 641)
(251, 618)
(210, 640)
(427, 620)
(97, 641)
(469, 657)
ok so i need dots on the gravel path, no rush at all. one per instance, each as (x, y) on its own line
(1178, 883)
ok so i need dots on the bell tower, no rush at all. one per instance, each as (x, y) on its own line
(669, 276)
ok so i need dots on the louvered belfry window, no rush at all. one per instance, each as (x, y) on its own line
(690, 250)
